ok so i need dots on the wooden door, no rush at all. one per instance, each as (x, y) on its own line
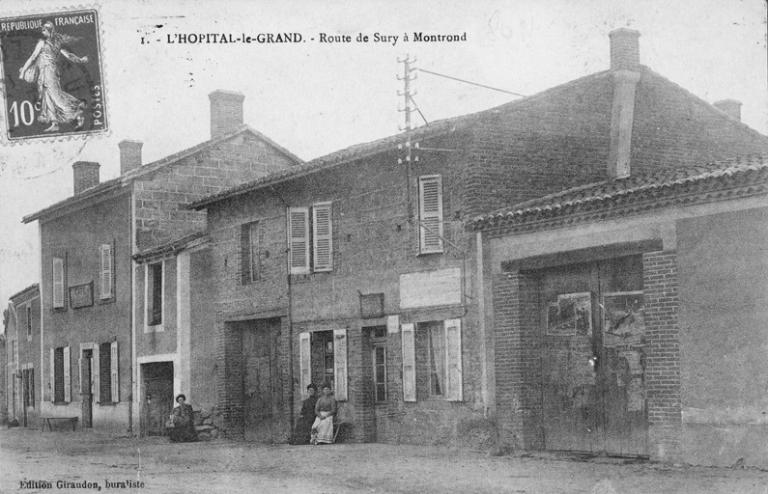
(157, 403)
(593, 358)
(262, 383)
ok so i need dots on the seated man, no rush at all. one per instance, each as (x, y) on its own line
(183, 429)
(325, 410)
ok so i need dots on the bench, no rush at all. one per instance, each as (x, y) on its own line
(48, 421)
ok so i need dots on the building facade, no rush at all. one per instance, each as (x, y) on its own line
(355, 269)
(22, 357)
(637, 307)
(89, 286)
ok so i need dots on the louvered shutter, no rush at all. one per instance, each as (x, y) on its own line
(106, 271)
(58, 283)
(409, 362)
(453, 359)
(52, 377)
(322, 236)
(340, 363)
(113, 372)
(298, 239)
(430, 214)
(305, 376)
(67, 376)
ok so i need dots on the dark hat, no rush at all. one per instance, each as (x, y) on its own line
(312, 386)
(181, 395)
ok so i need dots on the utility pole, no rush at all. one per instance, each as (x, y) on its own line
(407, 94)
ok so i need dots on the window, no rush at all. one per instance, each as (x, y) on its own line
(313, 244)
(107, 272)
(60, 375)
(250, 262)
(380, 372)
(323, 359)
(432, 360)
(109, 386)
(13, 351)
(154, 294)
(58, 283)
(28, 382)
(430, 214)
(29, 321)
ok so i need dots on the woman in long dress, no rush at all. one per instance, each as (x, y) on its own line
(183, 429)
(302, 432)
(42, 67)
(325, 410)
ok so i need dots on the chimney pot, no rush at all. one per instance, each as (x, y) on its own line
(625, 49)
(226, 112)
(85, 175)
(730, 107)
(130, 155)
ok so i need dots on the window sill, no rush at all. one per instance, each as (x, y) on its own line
(60, 403)
(107, 403)
(424, 254)
(105, 301)
(156, 328)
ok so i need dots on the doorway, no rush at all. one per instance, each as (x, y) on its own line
(593, 357)
(265, 419)
(376, 407)
(86, 388)
(157, 397)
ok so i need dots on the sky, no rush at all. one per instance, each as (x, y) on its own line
(314, 98)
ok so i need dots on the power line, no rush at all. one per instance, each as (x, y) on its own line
(472, 83)
(419, 110)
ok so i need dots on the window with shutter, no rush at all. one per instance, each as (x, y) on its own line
(67, 375)
(250, 260)
(28, 314)
(453, 370)
(153, 296)
(409, 362)
(304, 361)
(430, 214)
(106, 272)
(298, 239)
(51, 392)
(58, 283)
(113, 373)
(322, 242)
(340, 364)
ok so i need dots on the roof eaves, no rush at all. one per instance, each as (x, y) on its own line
(32, 287)
(90, 194)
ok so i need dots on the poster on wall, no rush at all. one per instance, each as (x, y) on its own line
(570, 315)
(623, 319)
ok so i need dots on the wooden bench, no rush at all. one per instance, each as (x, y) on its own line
(47, 421)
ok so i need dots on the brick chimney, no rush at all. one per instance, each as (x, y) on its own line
(625, 49)
(226, 111)
(625, 63)
(730, 107)
(130, 155)
(85, 174)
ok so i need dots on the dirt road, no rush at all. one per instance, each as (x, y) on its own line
(89, 461)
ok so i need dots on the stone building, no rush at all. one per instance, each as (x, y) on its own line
(629, 315)
(89, 288)
(22, 357)
(356, 269)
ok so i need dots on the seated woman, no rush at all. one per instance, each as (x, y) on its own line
(183, 429)
(302, 432)
(325, 410)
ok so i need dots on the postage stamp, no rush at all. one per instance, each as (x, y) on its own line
(52, 75)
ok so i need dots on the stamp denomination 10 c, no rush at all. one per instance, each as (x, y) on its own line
(52, 75)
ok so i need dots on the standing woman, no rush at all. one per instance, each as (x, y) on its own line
(302, 432)
(42, 67)
(325, 410)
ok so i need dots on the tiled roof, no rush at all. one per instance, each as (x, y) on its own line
(723, 179)
(123, 180)
(363, 150)
(31, 288)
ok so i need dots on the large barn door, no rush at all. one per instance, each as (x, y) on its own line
(593, 358)
(262, 385)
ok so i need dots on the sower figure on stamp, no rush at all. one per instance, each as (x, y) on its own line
(42, 67)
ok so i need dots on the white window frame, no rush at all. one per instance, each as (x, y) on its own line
(107, 274)
(429, 215)
(154, 328)
(253, 251)
(59, 283)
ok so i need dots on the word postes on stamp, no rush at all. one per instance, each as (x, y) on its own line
(52, 75)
